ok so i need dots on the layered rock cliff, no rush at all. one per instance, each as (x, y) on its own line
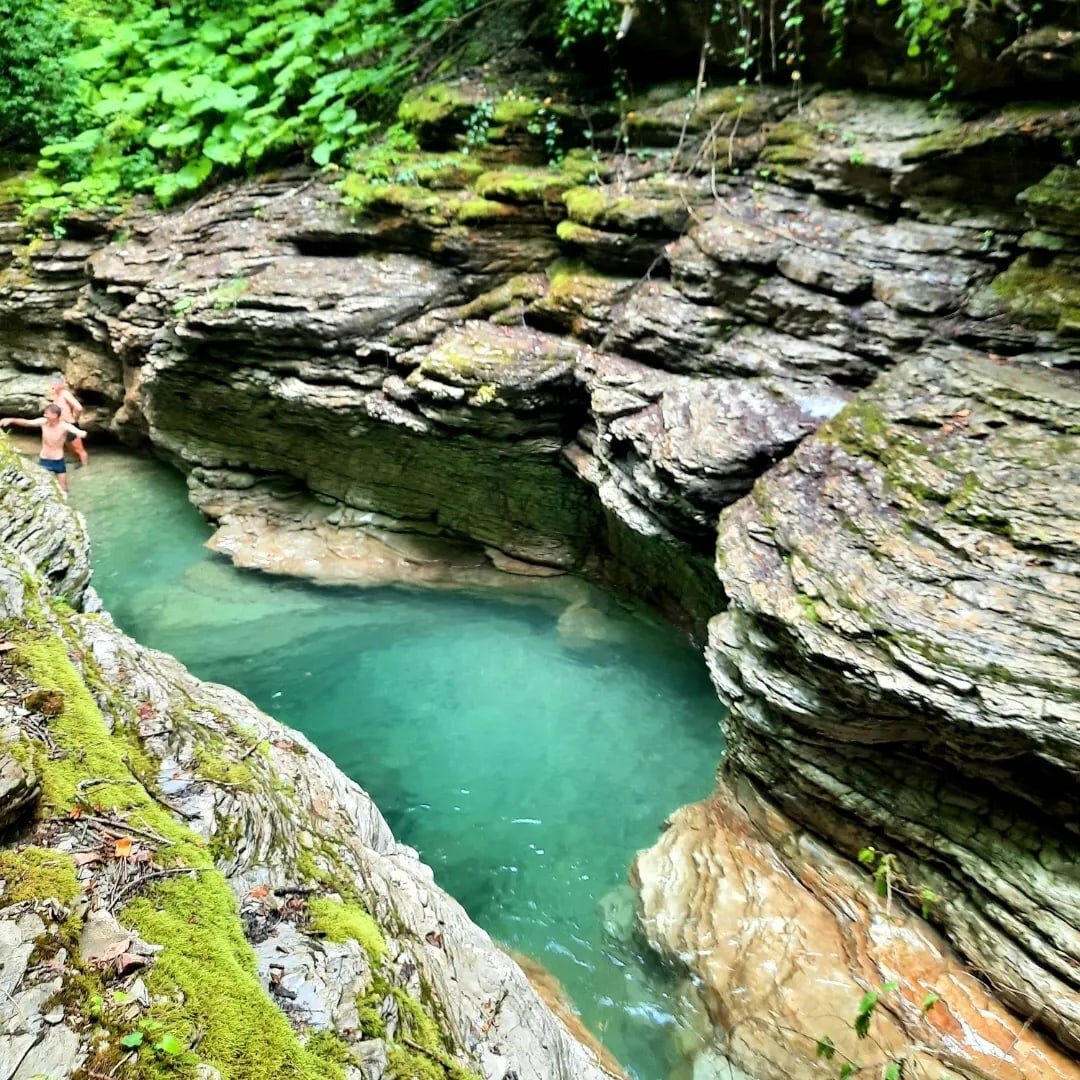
(189, 888)
(843, 326)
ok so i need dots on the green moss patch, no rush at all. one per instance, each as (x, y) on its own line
(332, 1051)
(524, 185)
(598, 208)
(88, 749)
(211, 764)
(1044, 297)
(424, 1055)
(34, 873)
(205, 975)
(477, 211)
(434, 113)
(208, 966)
(344, 922)
(1054, 202)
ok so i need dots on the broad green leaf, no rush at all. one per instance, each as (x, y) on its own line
(132, 1039)
(169, 1044)
(323, 152)
(163, 138)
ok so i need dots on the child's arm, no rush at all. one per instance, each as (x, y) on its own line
(76, 431)
(8, 420)
(75, 403)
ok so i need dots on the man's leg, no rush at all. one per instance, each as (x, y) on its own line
(76, 444)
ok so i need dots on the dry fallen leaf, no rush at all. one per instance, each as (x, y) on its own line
(7, 646)
(259, 892)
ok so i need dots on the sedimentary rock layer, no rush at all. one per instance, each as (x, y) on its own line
(901, 653)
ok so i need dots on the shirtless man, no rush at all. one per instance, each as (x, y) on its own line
(70, 410)
(54, 434)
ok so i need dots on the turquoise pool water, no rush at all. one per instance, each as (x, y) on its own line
(527, 770)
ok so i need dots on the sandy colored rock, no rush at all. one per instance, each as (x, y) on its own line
(785, 938)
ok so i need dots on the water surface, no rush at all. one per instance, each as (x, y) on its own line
(525, 767)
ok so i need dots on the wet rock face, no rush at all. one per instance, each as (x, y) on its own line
(902, 635)
(844, 327)
(816, 937)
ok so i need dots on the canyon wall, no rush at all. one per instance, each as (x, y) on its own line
(841, 329)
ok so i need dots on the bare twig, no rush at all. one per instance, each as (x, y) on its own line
(296, 890)
(144, 878)
(124, 827)
(731, 137)
(82, 785)
(251, 749)
(121, 1063)
(697, 98)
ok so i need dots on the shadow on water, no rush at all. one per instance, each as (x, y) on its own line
(526, 753)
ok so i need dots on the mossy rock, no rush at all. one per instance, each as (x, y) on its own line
(339, 921)
(1043, 297)
(791, 142)
(1053, 204)
(652, 122)
(376, 197)
(204, 979)
(35, 873)
(604, 208)
(524, 185)
(479, 211)
(515, 111)
(435, 114)
(1034, 125)
(436, 209)
(449, 170)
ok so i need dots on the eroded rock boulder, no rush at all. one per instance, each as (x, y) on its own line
(902, 635)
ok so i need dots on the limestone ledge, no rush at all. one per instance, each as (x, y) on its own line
(341, 956)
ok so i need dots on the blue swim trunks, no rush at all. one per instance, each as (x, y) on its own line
(54, 465)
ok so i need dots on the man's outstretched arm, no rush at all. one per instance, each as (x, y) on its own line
(76, 431)
(7, 421)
